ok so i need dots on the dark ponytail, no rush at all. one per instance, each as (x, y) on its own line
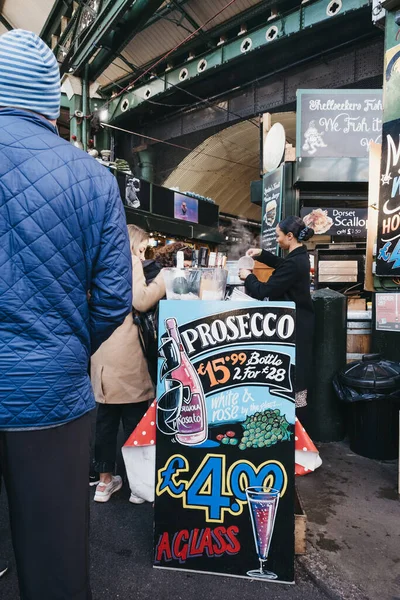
(295, 225)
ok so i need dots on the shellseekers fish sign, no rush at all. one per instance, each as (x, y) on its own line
(338, 123)
(225, 439)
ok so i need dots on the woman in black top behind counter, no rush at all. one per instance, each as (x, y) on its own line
(290, 281)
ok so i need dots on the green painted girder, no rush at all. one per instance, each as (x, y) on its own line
(6, 23)
(116, 38)
(302, 19)
(53, 21)
(65, 103)
(258, 11)
(110, 13)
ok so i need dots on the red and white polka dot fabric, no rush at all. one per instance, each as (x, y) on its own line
(145, 432)
(307, 457)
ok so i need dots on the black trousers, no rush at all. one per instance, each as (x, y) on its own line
(46, 477)
(303, 415)
(108, 420)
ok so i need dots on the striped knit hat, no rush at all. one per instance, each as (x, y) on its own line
(29, 74)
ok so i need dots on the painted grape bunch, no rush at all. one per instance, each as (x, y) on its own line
(264, 429)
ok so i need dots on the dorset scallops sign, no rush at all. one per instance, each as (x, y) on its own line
(337, 221)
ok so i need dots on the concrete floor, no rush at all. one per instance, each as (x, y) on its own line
(353, 543)
(121, 558)
(353, 512)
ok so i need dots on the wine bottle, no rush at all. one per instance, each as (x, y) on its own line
(192, 421)
(203, 256)
(212, 260)
(180, 284)
(195, 259)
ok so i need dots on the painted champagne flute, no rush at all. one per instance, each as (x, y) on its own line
(263, 505)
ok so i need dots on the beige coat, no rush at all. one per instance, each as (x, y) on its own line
(119, 370)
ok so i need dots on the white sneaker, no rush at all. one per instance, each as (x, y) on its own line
(94, 479)
(136, 499)
(105, 491)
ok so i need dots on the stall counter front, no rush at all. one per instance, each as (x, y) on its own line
(225, 439)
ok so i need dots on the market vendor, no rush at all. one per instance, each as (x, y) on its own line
(291, 282)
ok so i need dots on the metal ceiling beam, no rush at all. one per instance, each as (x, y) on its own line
(201, 33)
(53, 22)
(6, 23)
(255, 12)
(265, 38)
(276, 91)
(164, 12)
(185, 14)
(115, 39)
(83, 49)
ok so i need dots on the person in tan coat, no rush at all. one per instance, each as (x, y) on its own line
(120, 376)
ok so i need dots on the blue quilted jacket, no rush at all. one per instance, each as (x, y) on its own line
(62, 234)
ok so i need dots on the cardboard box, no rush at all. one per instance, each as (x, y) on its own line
(356, 304)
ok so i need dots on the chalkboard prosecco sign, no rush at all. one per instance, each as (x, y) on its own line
(225, 439)
(338, 123)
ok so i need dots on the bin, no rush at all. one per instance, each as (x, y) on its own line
(371, 390)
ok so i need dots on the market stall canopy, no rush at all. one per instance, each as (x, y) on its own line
(223, 166)
(24, 14)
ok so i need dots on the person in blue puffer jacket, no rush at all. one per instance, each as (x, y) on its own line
(65, 285)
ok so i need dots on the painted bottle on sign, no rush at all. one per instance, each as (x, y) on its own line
(192, 421)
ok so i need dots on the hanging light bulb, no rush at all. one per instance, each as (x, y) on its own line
(104, 115)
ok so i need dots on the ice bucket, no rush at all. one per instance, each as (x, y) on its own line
(195, 284)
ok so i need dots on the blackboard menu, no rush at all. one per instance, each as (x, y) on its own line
(336, 221)
(388, 242)
(338, 123)
(225, 439)
(271, 207)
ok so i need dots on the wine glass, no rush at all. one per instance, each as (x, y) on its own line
(263, 505)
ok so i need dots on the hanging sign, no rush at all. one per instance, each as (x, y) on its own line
(271, 208)
(338, 123)
(336, 221)
(225, 439)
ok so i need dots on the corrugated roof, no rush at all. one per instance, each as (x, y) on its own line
(26, 14)
(157, 39)
(205, 172)
(116, 70)
(204, 10)
(166, 33)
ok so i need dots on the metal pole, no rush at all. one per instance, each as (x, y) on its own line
(85, 106)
